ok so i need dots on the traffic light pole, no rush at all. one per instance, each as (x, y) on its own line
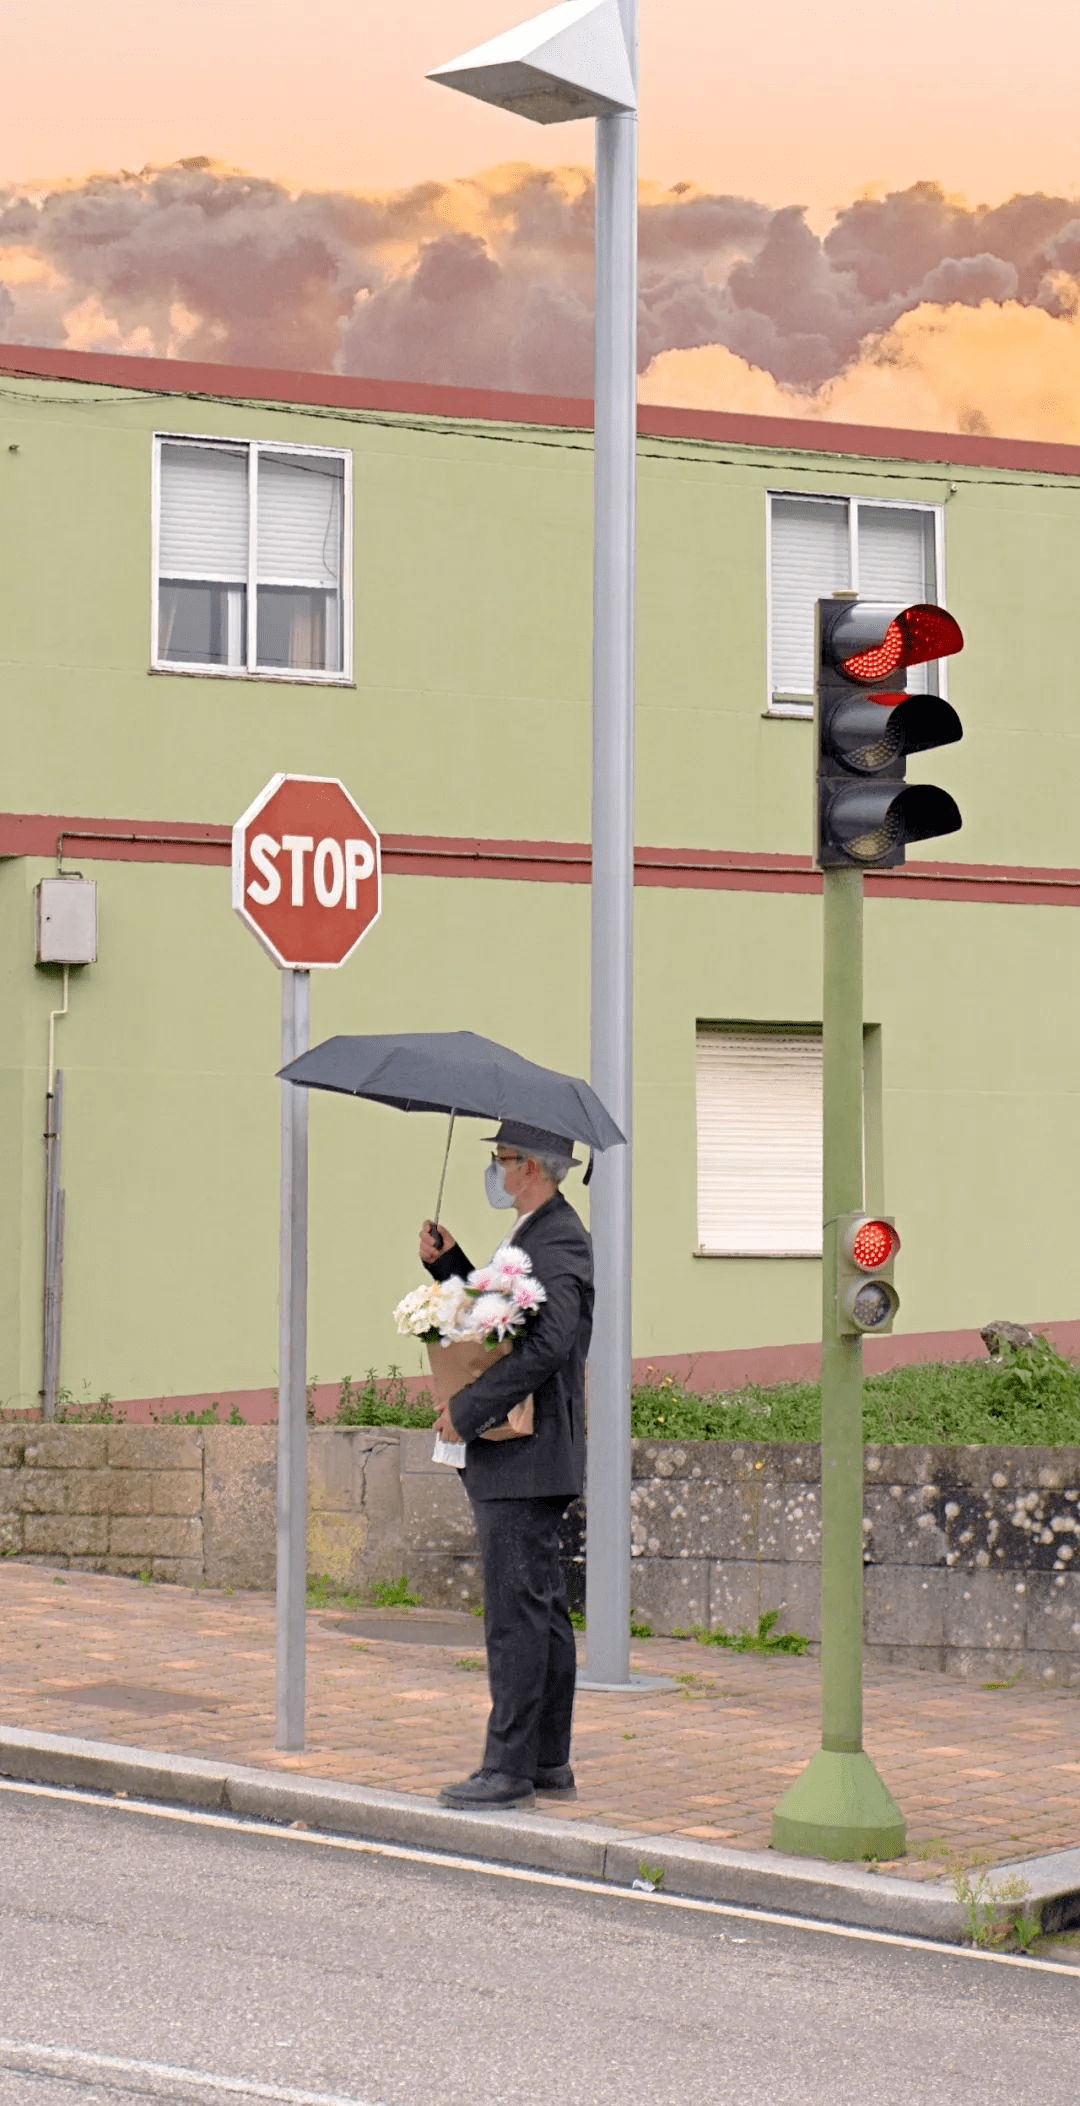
(839, 1807)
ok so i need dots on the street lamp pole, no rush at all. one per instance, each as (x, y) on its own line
(579, 59)
(607, 1568)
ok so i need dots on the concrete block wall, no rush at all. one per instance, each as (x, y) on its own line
(972, 1555)
(104, 1499)
(197, 1504)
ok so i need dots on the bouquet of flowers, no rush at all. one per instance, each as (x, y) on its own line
(467, 1323)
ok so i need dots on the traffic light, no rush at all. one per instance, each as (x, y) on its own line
(866, 1299)
(866, 724)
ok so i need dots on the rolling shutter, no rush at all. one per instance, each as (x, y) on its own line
(759, 1140)
(203, 528)
(810, 558)
(299, 514)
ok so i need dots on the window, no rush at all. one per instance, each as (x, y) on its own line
(820, 545)
(759, 1140)
(252, 559)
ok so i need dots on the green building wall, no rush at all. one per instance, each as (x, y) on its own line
(470, 717)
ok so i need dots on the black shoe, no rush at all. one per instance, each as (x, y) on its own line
(487, 1789)
(558, 1783)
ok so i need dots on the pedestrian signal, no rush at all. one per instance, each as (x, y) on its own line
(866, 1299)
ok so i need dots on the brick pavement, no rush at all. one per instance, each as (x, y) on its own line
(978, 1772)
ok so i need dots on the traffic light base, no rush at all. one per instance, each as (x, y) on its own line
(839, 1808)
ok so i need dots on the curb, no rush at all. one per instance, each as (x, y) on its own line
(842, 1894)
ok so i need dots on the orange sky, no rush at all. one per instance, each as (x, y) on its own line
(778, 103)
(777, 100)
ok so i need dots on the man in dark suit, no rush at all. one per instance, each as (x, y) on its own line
(520, 1488)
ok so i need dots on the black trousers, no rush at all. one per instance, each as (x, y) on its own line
(532, 1660)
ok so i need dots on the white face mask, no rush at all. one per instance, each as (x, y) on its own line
(495, 1186)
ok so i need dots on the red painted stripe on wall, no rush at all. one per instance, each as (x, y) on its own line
(87, 839)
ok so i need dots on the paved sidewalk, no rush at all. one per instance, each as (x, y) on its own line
(978, 1772)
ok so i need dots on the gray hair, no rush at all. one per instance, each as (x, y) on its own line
(554, 1167)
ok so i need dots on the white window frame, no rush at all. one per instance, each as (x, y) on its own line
(794, 707)
(293, 675)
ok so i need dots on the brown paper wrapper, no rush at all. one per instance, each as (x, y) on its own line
(454, 1366)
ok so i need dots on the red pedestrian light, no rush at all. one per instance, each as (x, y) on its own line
(873, 1244)
(866, 1299)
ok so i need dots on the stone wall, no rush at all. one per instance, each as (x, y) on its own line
(971, 1554)
(197, 1503)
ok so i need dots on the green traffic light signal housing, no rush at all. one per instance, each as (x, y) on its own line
(866, 1300)
(866, 724)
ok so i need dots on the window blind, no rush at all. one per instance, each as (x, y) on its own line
(810, 558)
(759, 1140)
(299, 521)
(203, 524)
(896, 562)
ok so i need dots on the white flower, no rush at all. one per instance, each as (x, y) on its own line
(483, 1280)
(451, 1306)
(528, 1295)
(494, 1316)
(415, 1313)
(436, 1310)
(511, 1261)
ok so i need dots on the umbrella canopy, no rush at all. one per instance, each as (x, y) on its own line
(457, 1072)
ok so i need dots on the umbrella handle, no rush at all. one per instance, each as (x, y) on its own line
(435, 1235)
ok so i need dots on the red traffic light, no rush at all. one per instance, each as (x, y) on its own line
(873, 1244)
(869, 642)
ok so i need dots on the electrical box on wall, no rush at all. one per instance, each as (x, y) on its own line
(65, 921)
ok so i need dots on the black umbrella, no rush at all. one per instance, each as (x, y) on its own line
(457, 1072)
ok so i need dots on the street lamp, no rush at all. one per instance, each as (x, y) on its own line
(580, 60)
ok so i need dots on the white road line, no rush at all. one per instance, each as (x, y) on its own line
(527, 1875)
(210, 2080)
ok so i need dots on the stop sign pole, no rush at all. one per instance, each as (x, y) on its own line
(307, 881)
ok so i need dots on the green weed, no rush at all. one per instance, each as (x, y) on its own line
(639, 1630)
(86, 1411)
(323, 1593)
(763, 1640)
(651, 1875)
(994, 1913)
(394, 1594)
(382, 1401)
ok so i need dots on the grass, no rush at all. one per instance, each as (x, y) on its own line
(1031, 1398)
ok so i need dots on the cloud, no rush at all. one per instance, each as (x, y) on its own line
(991, 368)
(487, 281)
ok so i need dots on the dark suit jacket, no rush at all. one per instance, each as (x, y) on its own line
(548, 1360)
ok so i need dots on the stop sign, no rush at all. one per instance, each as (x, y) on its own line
(306, 873)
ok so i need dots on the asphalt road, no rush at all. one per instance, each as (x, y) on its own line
(148, 1957)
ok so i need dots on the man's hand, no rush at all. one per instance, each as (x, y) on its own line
(429, 1249)
(444, 1426)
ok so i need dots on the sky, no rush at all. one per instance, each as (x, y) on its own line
(863, 213)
